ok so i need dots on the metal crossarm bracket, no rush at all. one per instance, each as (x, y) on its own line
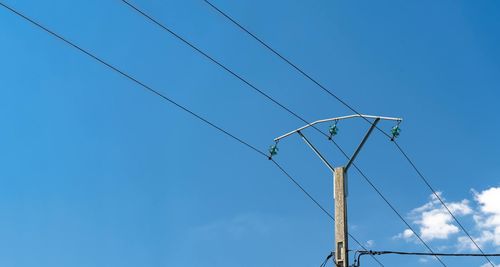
(317, 152)
(351, 160)
(337, 119)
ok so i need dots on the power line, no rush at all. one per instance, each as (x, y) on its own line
(330, 256)
(156, 92)
(371, 253)
(182, 39)
(213, 60)
(430, 254)
(218, 63)
(329, 92)
(289, 62)
(440, 200)
(281, 56)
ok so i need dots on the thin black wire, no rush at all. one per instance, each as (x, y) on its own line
(162, 26)
(329, 92)
(305, 192)
(131, 78)
(330, 256)
(440, 199)
(281, 56)
(371, 253)
(177, 105)
(213, 60)
(349, 107)
(430, 254)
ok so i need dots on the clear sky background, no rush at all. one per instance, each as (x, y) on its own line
(96, 171)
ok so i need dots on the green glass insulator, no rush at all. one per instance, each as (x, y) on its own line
(273, 150)
(395, 131)
(333, 130)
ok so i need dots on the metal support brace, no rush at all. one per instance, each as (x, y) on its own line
(351, 160)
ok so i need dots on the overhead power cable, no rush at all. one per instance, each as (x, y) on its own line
(329, 92)
(289, 62)
(371, 253)
(429, 254)
(281, 56)
(441, 201)
(213, 60)
(330, 256)
(183, 108)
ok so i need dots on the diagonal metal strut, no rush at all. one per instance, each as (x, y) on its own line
(317, 152)
(360, 146)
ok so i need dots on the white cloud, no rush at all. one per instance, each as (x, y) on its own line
(489, 265)
(489, 200)
(435, 223)
(406, 234)
(433, 219)
(487, 220)
(423, 260)
(370, 243)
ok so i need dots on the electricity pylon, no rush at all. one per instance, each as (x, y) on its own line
(339, 176)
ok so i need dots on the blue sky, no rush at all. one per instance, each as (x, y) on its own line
(97, 171)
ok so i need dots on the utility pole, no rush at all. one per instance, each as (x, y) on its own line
(340, 197)
(341, 246)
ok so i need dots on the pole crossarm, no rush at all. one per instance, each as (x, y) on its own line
(359, 253)
(337, 119)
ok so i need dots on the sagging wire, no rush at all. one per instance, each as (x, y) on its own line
(359, 253)
(330, 256)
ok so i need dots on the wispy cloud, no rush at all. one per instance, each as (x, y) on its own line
(433, 219)
(407, 234)
(487, 220)
(489, 265)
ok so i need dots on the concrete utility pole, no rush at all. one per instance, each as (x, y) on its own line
(341, 240)
(339, 179)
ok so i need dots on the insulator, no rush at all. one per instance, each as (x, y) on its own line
(395, 131)
(273, 150)
(334, 130)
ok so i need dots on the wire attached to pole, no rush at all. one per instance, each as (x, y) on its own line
(330, 256)
(360, 253)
